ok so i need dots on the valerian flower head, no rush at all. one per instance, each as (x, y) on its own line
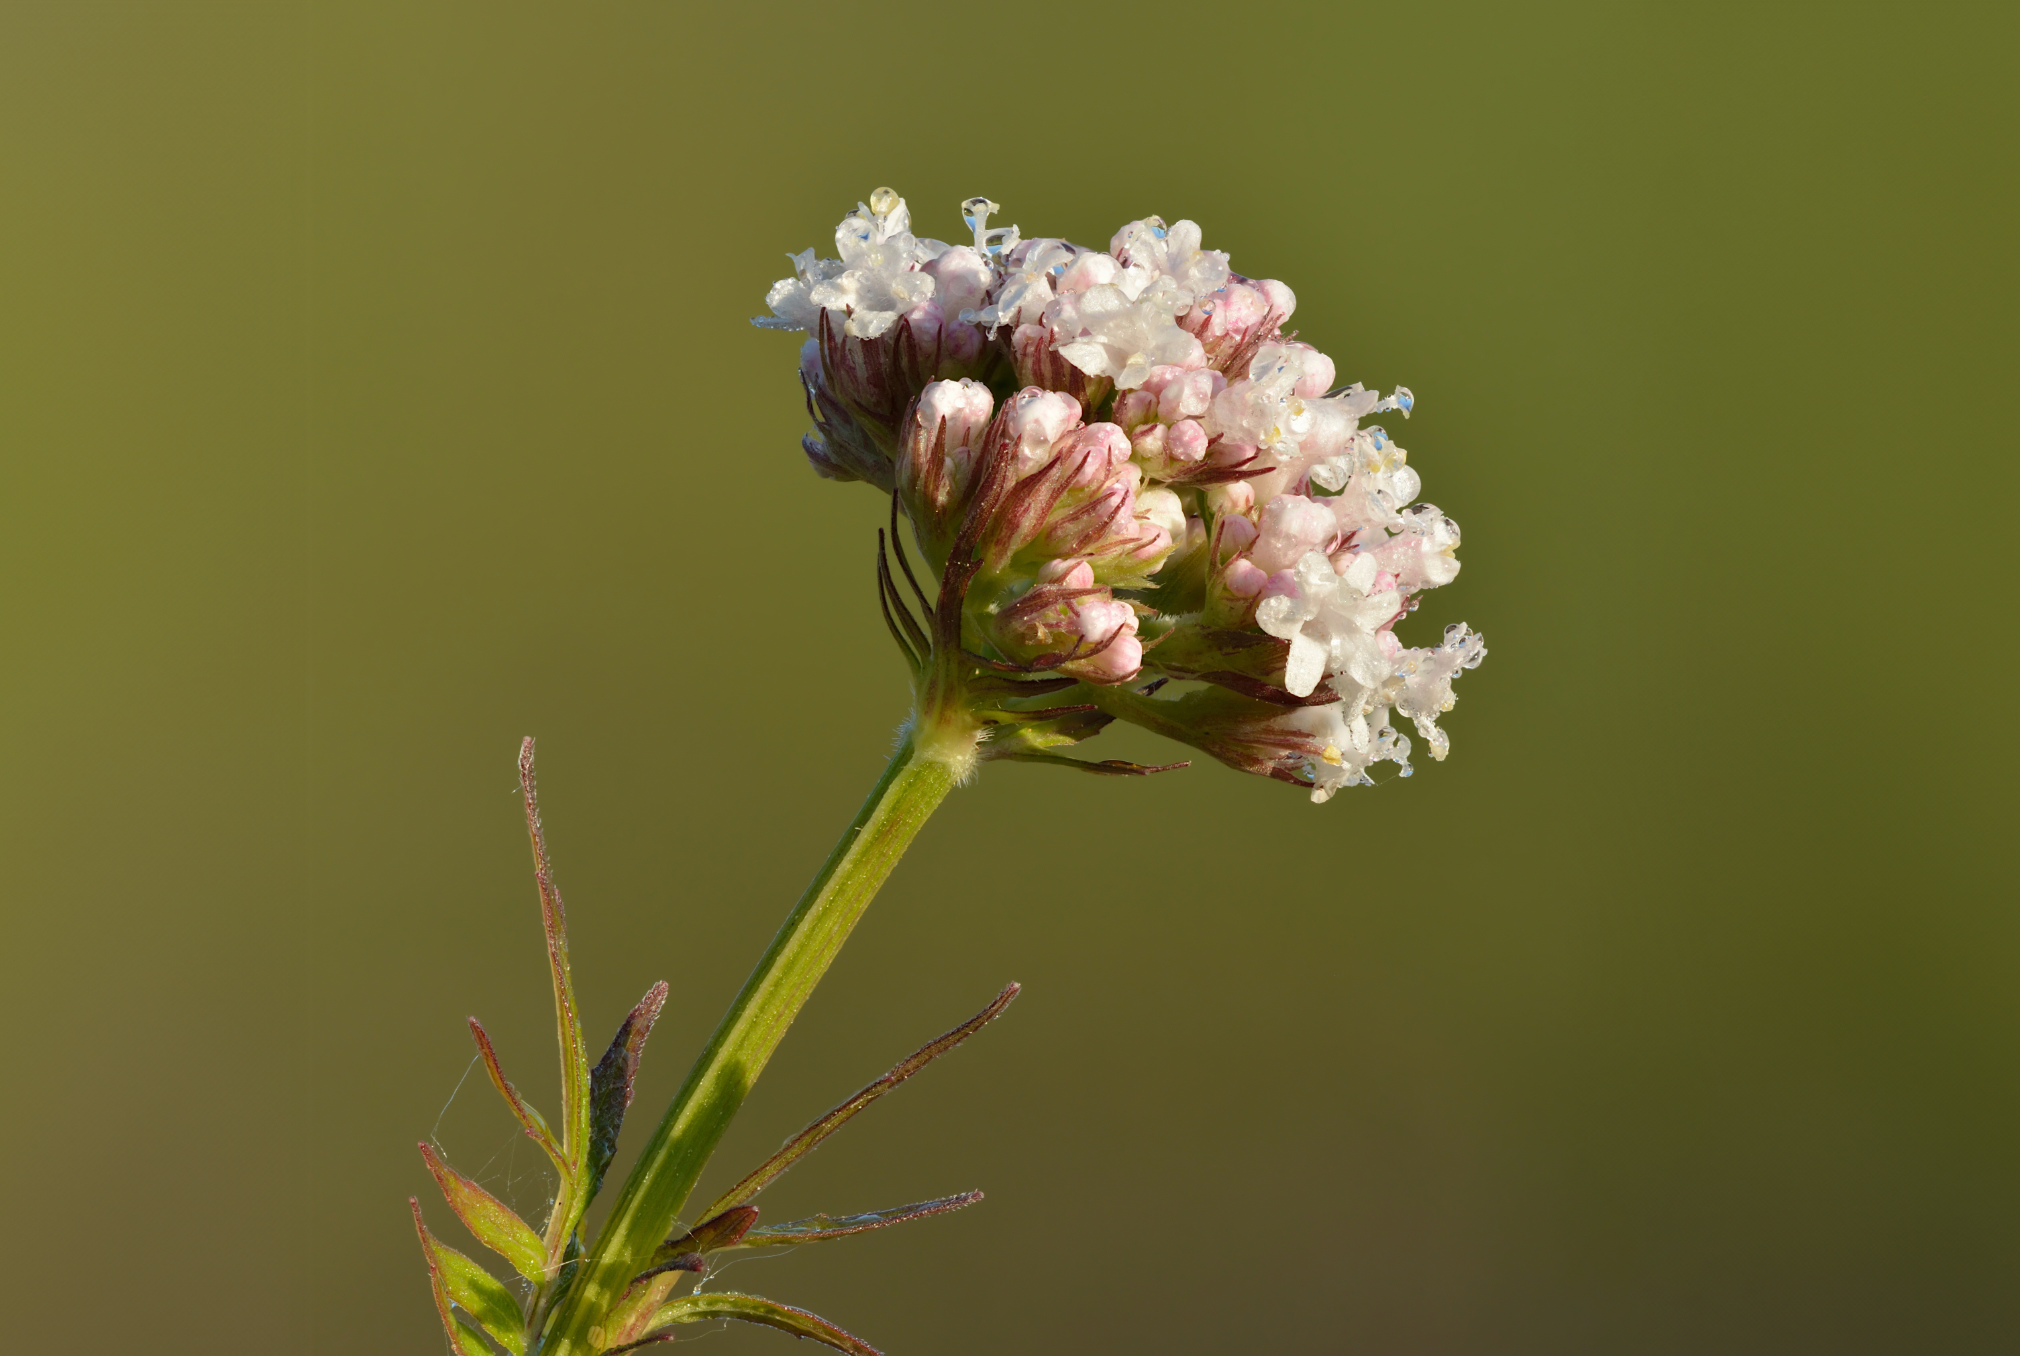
(1123, 474)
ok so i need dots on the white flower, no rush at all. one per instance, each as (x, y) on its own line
(1173, 253)
(1264, 409)
(1421, 555)
(1333, 622)
(1106, 331)
(878, 278)
(1349, 741)
(1424, 681)
(1026, 289)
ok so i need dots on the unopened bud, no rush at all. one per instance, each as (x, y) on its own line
(936, 457)
(1133, 409)
(964, 278)
(1034, 353)
(1229, 500)
(1292, 526)
(1189, 395)
(1036, 419)
(1318, 373)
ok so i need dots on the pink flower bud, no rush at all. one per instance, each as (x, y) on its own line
(1037, 419)
(1148, 443)
(961, 348)
(1108, 629)
(936, 455)
(1189, 396)
(955, 411)
(1186, 441)
(1063, 615)
(1034, 353)
(859, 385)
(1243, 578)
(1231, 324)
(1278, 297)
(1101, 449)
(1236, 497)
(1133, 409)
(1163, 507)
(1282, 584)
(1318, 373)
(1152, 544)
(1067, 574)
(1292, 526)
(924, 320)
(1121, 660)
(1237, 534)
(1088, 270)
(962, 279)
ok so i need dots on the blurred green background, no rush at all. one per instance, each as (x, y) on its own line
(376, 388)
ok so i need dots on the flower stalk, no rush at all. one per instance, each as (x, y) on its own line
(1134, 498)
(911, 788)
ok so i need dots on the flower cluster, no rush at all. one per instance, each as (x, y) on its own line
(1126, 474)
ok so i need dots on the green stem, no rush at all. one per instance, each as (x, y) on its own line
(911, 788)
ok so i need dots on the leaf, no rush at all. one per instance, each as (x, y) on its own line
(489, 1219)
(804, 1143)
(748, 1309)
(464, 1340)
(522, 1111)
(1107, 767)
(610, 1088)
(820, 1228)
(567, 1020)
(471, 1288)
(711, 1235)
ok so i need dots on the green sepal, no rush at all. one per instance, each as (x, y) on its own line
(747, 1309)
(489, 1219)
(820, 1228)
(472, 1289)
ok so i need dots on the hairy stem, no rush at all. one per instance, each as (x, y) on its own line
(911, 788)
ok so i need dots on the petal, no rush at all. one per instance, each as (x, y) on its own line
(1305, 666)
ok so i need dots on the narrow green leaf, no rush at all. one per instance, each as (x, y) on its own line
(567, 1020)
(489, 1219)
(820, 1228)
(1107, 767)
(469, 1339)
(522, 1111)
(610, 1088)
(473, 1289)
(747, 1309)
(464, 1340)
(804, 1143)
